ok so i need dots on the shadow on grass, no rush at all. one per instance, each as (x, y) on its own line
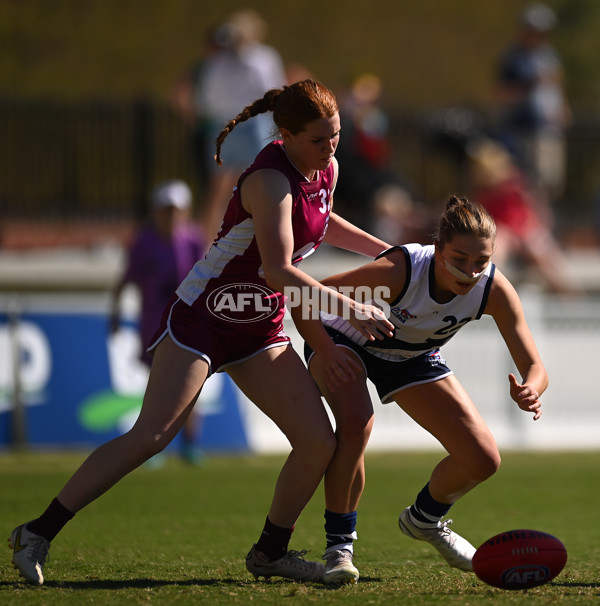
(153, 583)
(130, 583)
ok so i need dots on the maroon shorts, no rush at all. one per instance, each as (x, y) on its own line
(220, 344)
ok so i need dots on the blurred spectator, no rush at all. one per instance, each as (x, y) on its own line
(398, 218)
(449, 132)
(524, 225)
(160, 256)
(183, 98)
(369, 192)
(533, 110)
(236, 69)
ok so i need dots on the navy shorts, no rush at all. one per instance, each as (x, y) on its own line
(392, 377)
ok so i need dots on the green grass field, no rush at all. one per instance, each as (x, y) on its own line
(179, 535)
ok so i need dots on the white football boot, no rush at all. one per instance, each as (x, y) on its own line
(291, 566)
(339, 567)
(458, 552)
(30, 552)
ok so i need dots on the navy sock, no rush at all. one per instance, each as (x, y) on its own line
(274, 540)
(51, 522)
(426, 509)
(340, 528)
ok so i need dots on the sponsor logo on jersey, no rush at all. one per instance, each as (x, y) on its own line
(403, 314)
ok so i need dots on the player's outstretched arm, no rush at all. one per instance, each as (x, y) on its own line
(505, 307)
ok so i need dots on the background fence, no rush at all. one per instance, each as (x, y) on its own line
(98, 160)
(95, 162)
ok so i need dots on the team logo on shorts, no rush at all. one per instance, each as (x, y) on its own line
(243, 303)
(435, 358)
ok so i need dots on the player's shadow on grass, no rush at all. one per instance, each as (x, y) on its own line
(154, 583)
(128, 583)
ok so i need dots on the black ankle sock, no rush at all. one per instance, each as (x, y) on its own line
(51, 522)
(426, 509)
(274, 540)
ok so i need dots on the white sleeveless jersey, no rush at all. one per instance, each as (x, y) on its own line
(421, 323)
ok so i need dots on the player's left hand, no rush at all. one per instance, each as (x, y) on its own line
(525, 396)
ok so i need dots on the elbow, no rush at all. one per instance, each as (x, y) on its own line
(275, 278)
(545, 377)
(543, 381)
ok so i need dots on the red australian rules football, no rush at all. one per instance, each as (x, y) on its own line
(519, 559)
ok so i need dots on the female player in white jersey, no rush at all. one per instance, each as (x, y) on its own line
(279, 213)
(434, 291)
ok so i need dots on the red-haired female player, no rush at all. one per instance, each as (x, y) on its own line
(279, 213)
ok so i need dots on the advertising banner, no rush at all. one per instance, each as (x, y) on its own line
(79, 386)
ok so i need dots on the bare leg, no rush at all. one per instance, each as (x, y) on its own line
(353, 411)
(294, 404)
(175, 380)
(445, 410)
(345, 476)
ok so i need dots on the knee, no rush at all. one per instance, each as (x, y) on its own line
(314, 445)
(321, 449)
(485, 465)
(145, 444)
(325, 446)
(355, 428)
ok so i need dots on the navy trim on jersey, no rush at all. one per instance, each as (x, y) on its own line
(408, 275)
(431, 278)
(387, 251)
(396, 343)
(486, 293)
(420, 329)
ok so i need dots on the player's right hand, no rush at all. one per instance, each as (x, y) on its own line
(370, 321)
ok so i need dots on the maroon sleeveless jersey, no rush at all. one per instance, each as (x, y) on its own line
(228, 284)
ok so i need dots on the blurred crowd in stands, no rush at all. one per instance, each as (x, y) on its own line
(512, 160)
